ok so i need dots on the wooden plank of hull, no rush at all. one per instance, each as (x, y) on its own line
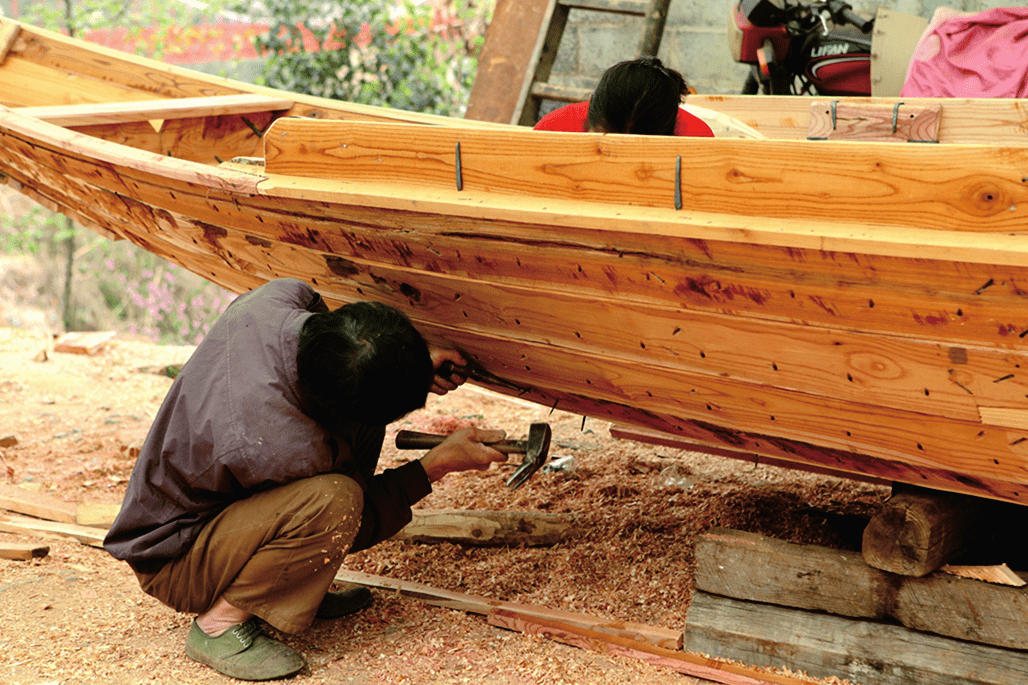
(206, 141)
(942, 187)
(996, 121)
(175, 108)
(614, 394)
(868, 429)
(970, 303)
(897, 373)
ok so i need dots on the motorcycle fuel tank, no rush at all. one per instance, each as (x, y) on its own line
(839, 63)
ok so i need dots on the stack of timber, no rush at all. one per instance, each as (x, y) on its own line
(855, 306)
(766, 602)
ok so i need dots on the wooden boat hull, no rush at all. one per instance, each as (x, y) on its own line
(760, 317)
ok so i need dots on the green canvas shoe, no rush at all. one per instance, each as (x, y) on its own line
(245, 652)
(348, 600)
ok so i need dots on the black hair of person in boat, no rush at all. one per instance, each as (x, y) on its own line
(363, 362)
(637, 96)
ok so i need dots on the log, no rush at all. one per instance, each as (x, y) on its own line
(22, 552)
(22, 501)
(657, 637)
(500, 528)
(918, 530)
(691, 664)
(28, 526)
(752, 567)
(823, 646)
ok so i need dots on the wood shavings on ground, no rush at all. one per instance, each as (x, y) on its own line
(78, 617)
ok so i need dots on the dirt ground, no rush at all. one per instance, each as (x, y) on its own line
(78, 617)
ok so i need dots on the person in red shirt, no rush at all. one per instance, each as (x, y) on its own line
(638, 96)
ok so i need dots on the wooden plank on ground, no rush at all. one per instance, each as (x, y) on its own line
(919, 530)
(752, 567)
(89, 342)
(96, 515)
(22, 552)
(484, 527)
(29, 526)
(22, 501)
(683, 662)
(651, 635)
(148, 110)
(823, 646)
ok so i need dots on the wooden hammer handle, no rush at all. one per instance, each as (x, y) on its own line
(413, 440)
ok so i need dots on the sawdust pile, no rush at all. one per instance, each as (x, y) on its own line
(77, 616)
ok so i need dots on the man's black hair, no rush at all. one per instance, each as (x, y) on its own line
(638, 96)
(363, 362)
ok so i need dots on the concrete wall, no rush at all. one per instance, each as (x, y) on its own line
(695, 40)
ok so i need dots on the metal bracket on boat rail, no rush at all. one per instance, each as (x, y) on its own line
(678, 182)
(458, 170)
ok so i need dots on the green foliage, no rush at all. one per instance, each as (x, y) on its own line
(375, 53)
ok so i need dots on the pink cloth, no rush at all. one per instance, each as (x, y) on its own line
(983, 55)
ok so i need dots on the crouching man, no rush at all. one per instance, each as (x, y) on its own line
(258, 475)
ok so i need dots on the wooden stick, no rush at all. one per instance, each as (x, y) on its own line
(484, 527)
(683, 662)
(93, 537)
(22, 552)
(663, 638)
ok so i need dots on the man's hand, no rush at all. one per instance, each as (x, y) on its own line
(441, 385)
(464, 450)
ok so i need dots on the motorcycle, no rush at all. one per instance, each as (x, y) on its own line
(802, 48)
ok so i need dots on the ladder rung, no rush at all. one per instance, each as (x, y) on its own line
(548, 91)
(636, 7)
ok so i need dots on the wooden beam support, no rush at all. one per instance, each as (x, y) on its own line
(755, 568)
(919, 530)
(824, 646)
(657, 637)
(149, 110)
(510, 528)
(8, 34)
(695, 665)
(841, 120)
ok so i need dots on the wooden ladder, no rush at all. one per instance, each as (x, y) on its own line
(537, 89)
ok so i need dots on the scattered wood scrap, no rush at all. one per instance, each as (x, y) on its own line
(684, 662)
(499, 528)
(83, 343)
(823, 646)
(22, 552)
(752, 567)
(9, 441)
(1001, 574)
(638, 632)
(919, 530)
(28, 526)
(96, 515)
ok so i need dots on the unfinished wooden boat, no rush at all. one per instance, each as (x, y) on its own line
(856, 306)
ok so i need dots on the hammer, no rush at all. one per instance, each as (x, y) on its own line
(535, 448)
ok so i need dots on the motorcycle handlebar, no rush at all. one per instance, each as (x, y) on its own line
(852, 17)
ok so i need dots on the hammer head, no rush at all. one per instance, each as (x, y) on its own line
(537, 448)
